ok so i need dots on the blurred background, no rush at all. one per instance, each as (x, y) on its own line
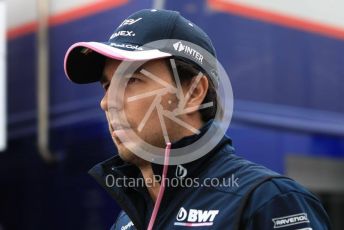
(286, 64)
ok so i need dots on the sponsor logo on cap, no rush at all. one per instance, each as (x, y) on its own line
(295, 219)
(129, 46)
(180, 47)
(129, 21)
(124, 33)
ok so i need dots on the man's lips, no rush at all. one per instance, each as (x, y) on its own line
(116, 126)
(120, 133)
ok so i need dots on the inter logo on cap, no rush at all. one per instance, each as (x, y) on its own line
(178, 46)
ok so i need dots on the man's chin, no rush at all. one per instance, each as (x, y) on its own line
(126, 155)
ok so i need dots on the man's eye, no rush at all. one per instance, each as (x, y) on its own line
(133, 80)
(106, 86)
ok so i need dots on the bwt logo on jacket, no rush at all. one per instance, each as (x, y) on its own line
(195, 217)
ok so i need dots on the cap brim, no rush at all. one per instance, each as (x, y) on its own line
(84, 61)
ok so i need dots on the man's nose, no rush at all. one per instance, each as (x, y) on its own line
(111, 101)
(104, 103)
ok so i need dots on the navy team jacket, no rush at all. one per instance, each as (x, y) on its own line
(243, 195)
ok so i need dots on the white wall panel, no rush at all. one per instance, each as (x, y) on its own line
(21, 12)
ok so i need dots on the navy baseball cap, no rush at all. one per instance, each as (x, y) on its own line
(84, 61)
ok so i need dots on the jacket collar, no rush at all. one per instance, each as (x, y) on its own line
(118, 168)
(191, 169)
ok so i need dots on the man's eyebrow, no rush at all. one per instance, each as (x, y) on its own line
(138, 70)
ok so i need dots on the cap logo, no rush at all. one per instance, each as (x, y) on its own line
(129, 46)
(123, 33)
(178, 46)
(129, 21)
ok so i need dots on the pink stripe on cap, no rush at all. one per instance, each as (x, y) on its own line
(115, 53)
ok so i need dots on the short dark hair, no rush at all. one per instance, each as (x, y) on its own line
(187, 72)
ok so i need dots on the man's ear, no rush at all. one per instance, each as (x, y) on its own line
(196, 91)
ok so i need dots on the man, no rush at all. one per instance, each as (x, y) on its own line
(255, 198)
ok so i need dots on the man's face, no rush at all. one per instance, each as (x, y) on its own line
(135, 110)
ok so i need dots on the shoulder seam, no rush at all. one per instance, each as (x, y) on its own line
(309, 194)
